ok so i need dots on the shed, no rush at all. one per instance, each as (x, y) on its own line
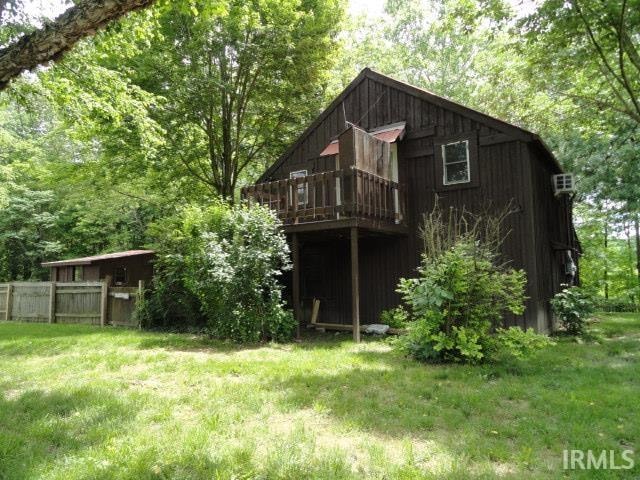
(125, 269)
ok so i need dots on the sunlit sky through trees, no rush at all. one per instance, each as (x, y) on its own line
(373, 8)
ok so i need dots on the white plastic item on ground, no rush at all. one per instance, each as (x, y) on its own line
(376, 328)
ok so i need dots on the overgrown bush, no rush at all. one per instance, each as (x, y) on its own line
(572, 307)
(219, 267)
(395, 317)
(462, 291)
(513, 342)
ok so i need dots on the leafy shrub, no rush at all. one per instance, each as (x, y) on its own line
(513, 342)
(395, 317)
(457, 299)
(572, 307)
(462, 291)
(219, 267)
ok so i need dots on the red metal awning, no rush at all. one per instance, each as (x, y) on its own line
(388, 133)
(331, 149)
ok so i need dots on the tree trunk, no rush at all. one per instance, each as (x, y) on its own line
(55, 38)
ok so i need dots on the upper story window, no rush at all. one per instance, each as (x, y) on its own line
(455, 163)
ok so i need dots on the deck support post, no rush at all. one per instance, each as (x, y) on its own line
(295, 247)
(355, 286)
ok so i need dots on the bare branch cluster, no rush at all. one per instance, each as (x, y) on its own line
(442, 229)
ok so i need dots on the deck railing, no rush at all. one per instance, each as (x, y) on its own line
(332, 195)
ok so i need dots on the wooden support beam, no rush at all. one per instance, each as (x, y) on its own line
(52, 303)
(314, 310)
(355, 286)
(295, 247)
(349, 328)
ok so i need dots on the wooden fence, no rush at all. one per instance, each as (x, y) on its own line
(93, 303)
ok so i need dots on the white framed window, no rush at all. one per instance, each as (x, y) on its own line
(456, 167)
(302, 192)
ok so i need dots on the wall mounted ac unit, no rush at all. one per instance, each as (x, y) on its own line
(563, 183)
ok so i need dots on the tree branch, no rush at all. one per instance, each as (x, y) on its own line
(51, 41)
(595, 43)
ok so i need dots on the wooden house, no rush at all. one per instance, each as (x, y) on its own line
(122, 269)
(352, 191)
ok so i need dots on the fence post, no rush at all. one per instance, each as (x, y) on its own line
(140, 298)
(104, 300)
(8, 302)
(52, 303)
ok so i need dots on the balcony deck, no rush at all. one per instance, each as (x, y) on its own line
(334, 200)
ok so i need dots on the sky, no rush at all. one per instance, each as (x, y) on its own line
(46, 8)
(375, 8)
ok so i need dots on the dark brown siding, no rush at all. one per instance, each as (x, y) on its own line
(507, 171)
(138, 267)
(91, 273)
(552, 227)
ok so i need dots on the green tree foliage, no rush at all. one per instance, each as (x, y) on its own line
(592, 49)
(588, 53)
(608, 265)
(26, 224)
(90, 212)
(239, 79)
(115, 132)
(206, 91)
(221, 265)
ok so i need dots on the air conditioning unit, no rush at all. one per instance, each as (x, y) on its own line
(563, 183)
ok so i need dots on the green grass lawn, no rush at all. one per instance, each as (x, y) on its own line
(85, 402)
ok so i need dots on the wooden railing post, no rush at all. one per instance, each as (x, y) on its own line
(52, 303)
(294, 199)
(354, 192)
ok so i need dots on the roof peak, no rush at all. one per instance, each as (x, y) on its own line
(377, 76)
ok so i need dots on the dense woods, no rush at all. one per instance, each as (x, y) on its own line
(184, 102)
